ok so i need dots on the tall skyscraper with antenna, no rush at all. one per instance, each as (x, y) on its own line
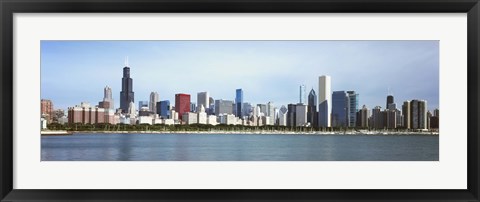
(127, 94)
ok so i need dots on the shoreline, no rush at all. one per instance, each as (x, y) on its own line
(350, 133)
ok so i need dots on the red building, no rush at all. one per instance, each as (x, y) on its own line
(182, 103)
(46, 109)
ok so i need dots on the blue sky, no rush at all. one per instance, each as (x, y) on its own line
(76, 71)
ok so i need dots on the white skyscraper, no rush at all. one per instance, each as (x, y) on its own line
(271, 112)
(303, 95)
(153, 101)
(324, 101)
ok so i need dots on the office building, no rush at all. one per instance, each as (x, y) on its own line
(340, 104)
(107, 102)
(239, 103)
(291, 118)
(282, 116)
(203, 100)
(389, 101)
(163, 109)
(312, 115)
(182, 103)
(127, 94)
(270, 113)
(193, 107)
(223, 107)
(324, 101)
(154, 98)
(352, 108)
(301, 115)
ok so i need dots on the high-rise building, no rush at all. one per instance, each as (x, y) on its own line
(303, 95)
(246, 108)
(418, 112)
(389, 101)
(300, 114)
(391, 116)
(127, 94)
(282, 116)
(239, 102)
(107, 102)
(363, 116)
(154, 98)
(46, 109)
(352, 108)
(377, 118)
(324, 101)
(340, 104)
(312, 115)
(406, 114)
(291, 118)
(163, 109)
(263, 109)
(270, 112)
(193, 107)
(223, 107)
(202, 100)
(182, 103)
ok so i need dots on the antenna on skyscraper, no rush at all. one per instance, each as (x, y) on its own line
(126, 61)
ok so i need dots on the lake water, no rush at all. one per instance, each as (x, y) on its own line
(241, 147)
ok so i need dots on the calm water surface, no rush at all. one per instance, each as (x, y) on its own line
(228, 147)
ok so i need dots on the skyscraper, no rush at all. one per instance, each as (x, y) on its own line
(389, 101)
(263, 109)
(362, 119)
(163, 109)
(352, 108)
(182, 103)
(202, 100)
(282, 116)
(418, 113)
(324, 101)
(303, 95)
(271, 112)
(312, 115)
(107, 102)
(377, 118)
(340, 104)
(406, 114)
(291, 118)
(152, 106)
(223, 107)
(127, 94)
(300, 114)
(238, 102)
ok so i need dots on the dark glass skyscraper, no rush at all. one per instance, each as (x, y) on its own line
(312, 114)
(126, 95)
(339, 109)
(389, 101)
(238, 102)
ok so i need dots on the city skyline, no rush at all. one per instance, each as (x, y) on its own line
(280, 90)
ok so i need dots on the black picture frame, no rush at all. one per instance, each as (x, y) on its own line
(9, 7)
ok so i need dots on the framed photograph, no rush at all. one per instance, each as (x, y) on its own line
(239, 100)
